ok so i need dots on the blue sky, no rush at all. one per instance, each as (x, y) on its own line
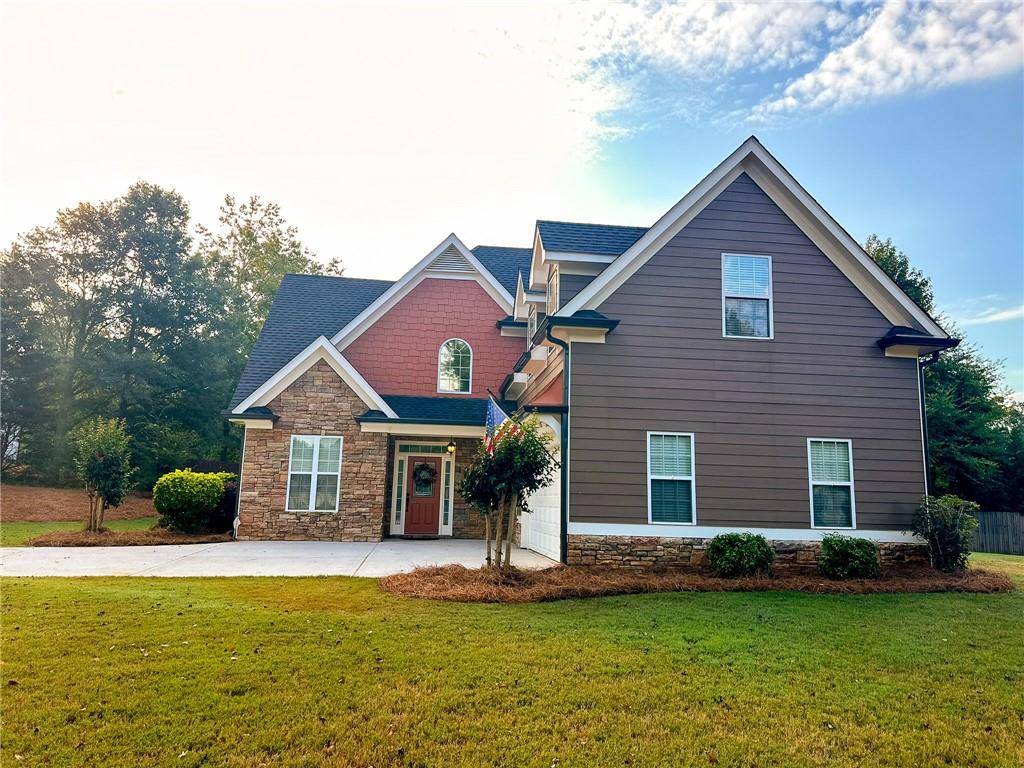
(380, 128)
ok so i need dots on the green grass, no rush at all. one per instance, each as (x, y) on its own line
(332, 671)
(18, 533)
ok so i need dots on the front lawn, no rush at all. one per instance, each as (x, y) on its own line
(332, 671)
(18, 533)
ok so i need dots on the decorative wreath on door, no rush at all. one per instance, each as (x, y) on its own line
(425, 473)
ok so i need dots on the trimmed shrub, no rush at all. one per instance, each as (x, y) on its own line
(947, 525)
(733, 555)
(846, 557)
(187, 500)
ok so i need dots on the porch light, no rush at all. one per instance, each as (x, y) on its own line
(451, 447)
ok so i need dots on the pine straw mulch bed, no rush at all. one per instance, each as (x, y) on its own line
(485, 585)
(34, 504)
(108, 538)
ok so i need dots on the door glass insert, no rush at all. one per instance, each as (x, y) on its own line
(424, 475)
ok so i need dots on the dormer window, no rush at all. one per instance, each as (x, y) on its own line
(454, 367)
(531, 325)
(552, 290)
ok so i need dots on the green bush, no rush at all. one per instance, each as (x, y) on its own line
(187, 500)
(947, 525)
(733, 555)
(102, 464)
(846, 557)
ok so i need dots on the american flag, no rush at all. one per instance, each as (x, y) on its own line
(497, 426)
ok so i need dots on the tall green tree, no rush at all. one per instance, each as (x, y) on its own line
(973, 425)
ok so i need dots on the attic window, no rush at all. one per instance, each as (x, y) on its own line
(747, 296)
(454, 366)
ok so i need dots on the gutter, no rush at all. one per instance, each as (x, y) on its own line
(929, 479)
(563, 446)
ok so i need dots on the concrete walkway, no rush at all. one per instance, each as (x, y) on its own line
(254, 558)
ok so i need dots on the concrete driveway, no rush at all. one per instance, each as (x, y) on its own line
(254, 558)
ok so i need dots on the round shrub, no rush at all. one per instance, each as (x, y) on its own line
(186, 500)
(733, 555)
(845, 557)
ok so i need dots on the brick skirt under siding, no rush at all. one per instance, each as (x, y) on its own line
(639, 552)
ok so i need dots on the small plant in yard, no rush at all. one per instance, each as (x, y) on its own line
(187, 500)
(846, 557)
(947, 524)
(101, 462)
(498, 483)
(733, 555)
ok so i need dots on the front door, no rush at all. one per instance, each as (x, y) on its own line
(423, 495)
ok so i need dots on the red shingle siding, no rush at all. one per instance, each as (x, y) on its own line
(397, 355)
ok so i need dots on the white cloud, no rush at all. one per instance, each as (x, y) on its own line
(993, 315)
(908, 46)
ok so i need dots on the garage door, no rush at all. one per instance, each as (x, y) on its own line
(541, 525)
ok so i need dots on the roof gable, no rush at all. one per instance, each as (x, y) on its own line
(754, 160)
(449, 259)
(305, 307)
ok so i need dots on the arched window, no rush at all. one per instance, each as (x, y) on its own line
(454, 366)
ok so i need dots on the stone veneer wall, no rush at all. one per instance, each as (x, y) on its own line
(467, 523)
(318, 403)
(640, 552)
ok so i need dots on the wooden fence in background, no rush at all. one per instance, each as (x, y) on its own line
(1001, 532)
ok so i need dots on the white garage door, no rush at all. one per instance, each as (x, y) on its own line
(541, 525)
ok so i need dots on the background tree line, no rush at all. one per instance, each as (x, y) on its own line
(119, 309)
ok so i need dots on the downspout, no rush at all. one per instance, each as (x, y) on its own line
(563, 445)
(929, 480)
(238, 493)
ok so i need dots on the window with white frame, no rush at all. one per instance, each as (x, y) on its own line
(314, 473)
(454, 366)
(831, 476)
(531, 324)
(747, 296)
(552, 291)
(671, 495)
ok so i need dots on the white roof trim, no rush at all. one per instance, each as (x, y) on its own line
(414, 277)
(321, 349)
(752, 158)
(589, 258)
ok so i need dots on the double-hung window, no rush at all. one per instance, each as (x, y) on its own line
(830, 468)
(454, 366)
(314, 474)
(551, 294)
(747, 296)
(671, 495)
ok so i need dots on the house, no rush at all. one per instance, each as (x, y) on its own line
(741, 364)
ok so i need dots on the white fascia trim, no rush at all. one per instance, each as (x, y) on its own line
(708, 532)
(252, 423)
(440, 431)
(414, 277)
(588, 258)
(706, 190)
(538, 278)
(320, 349)
(524, 297)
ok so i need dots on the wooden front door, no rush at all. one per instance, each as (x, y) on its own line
(423, 495)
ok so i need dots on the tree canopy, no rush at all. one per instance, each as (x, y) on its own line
(116, 310)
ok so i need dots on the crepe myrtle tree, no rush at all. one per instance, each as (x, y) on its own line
(498, 484)
(102, 464)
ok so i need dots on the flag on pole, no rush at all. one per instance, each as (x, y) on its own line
(497, 426)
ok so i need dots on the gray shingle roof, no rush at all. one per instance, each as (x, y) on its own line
(505, 263)
(603, 239)
(442, 410)
(305, 307)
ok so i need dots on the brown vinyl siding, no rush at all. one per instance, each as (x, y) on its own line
(751, 404)
(570, 285)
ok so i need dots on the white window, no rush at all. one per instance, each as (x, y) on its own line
(454, 366)
(314, 474)
(552, 291)
(747, 296)
(671, 493)
(830, 470)
(531, 325)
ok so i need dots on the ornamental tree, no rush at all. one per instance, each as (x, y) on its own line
(101, 461)
(498, 484)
